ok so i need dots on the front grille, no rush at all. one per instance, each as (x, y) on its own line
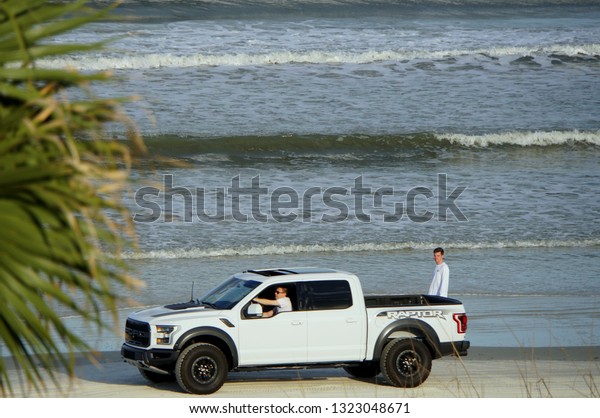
(137, 333)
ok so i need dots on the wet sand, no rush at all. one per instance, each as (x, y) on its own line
(572, 372)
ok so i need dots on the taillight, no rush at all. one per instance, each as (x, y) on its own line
(461, 322)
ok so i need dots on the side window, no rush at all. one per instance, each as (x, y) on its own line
(328, 294)
(269, 293)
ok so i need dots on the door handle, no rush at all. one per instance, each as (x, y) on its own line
(296, 322)
(351, 320)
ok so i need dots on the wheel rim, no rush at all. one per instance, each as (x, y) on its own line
(204, 370)
(408, 363)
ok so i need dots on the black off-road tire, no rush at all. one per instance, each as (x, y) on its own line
(406, 362)
(363, 371)
(201, 369)
(156, 377)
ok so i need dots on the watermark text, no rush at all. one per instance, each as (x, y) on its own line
(249, 200)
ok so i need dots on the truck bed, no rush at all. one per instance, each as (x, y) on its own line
(382, 301)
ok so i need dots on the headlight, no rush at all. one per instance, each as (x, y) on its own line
(163, 334)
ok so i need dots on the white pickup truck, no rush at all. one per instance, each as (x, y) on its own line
(332, 324)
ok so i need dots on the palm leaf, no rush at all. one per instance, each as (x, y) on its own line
(60, 247)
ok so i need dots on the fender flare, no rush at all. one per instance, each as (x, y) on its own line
(415, 327)
(213, 334)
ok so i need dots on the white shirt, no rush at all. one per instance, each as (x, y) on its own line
(285, 305)
(439, 282)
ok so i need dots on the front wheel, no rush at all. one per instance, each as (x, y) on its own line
(201, 369)
(406, 362)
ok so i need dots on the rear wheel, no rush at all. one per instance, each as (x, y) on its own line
(406, 362)
(201, 369)
(363, 371)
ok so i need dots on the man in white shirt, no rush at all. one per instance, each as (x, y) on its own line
(281, 303)
(441, 274)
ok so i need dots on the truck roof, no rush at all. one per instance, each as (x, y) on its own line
(295, 273)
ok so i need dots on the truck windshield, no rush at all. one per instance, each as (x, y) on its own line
(228, 294)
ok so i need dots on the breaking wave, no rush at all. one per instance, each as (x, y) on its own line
(356, 147)
(562, 53)
(193, 253)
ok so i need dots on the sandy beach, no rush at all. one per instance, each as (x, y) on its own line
(572, 372)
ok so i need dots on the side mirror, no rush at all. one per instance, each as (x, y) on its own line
(254, 311)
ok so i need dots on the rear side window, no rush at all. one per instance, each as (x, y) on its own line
(328, 294)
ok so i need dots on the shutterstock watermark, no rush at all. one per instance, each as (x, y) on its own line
(250, 201)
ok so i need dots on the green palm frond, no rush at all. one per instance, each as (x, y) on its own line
(62, 226)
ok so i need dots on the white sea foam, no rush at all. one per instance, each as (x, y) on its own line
(524, 139)
(169, 60)
(363, 247)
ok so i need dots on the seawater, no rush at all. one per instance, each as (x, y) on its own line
(500, 97)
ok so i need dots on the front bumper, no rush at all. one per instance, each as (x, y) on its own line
(154, 359)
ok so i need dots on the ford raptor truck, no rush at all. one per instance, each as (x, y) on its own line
(332, 324)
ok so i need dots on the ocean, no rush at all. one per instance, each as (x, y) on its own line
(360, 135)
